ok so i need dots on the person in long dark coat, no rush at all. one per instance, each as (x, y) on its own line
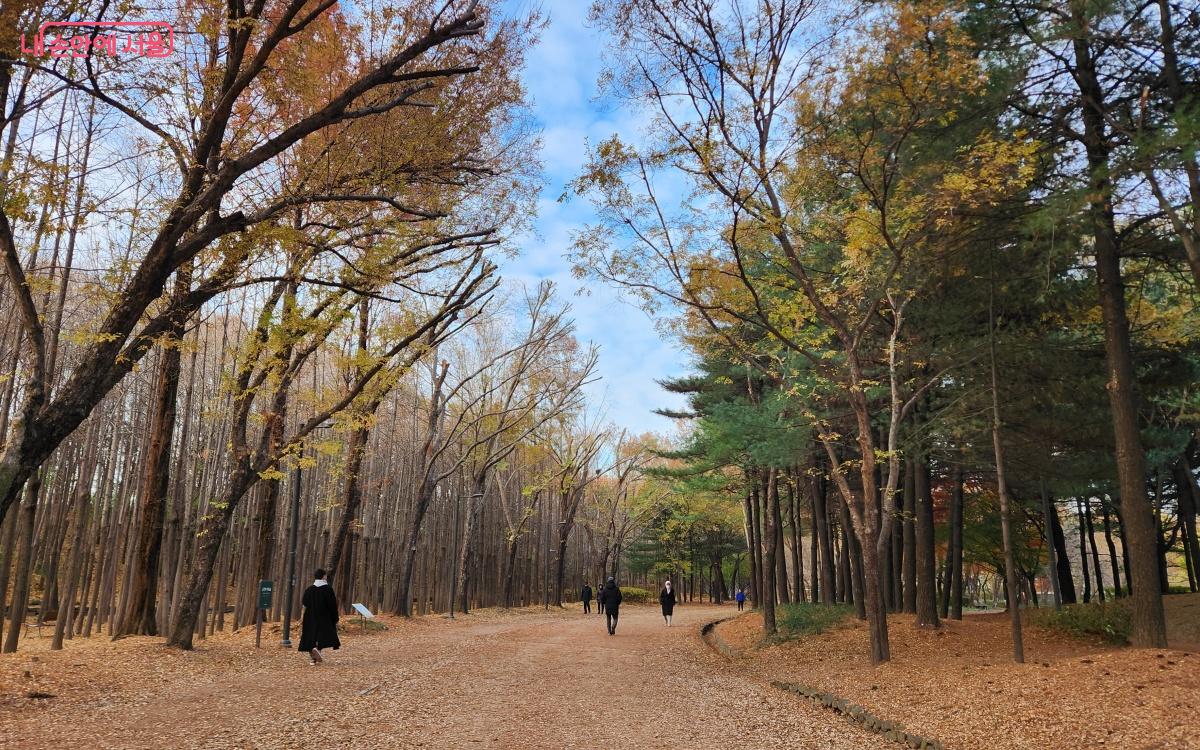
(610, 597)
(586, 596)
(600, 599)
(666, 598)
(318, 628)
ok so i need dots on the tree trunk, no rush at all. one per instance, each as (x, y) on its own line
(140, 617)
(1010, 562)
(843, 550)
(798, 591)
(1091, 535)
(425, 489)
(356, 448)
(748, 514)
(1066, 580)
(9, 546)
(944, 583)
(512, 566)
(855, 571)
(1139, 524)
(781, 582)
(213, 528)
(474, 507)
(1189, 501)
(421, 507)
(816, 590)
(769, 553)
(820, 501)
(926, 604)
(80, 502)
(892, 561)
(1083, 553)
(872, 606)
(1049, 510)
(560, 563)
(909, 554)
(20, 598)
(1112, 550)
(956, 544)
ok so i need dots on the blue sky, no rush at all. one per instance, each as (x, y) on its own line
(560, 75)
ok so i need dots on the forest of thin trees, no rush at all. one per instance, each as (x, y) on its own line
(256, 327)
(937, 265)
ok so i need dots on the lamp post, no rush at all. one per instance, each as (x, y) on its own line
(292, 537)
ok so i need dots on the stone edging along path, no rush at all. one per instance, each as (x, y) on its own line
(852, 712)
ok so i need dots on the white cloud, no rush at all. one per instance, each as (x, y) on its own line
(560, 76)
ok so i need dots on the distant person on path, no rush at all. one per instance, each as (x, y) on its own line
(318, 629)
(600, 599)
(666, 598)
(586, 596)
(610, 600)
(741, 599)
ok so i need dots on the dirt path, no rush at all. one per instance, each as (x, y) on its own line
(527, 680)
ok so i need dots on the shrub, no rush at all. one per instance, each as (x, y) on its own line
(1111, 621)
(634, 595)
(809, 619)
(353, 624)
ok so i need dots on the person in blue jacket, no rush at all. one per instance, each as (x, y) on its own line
(741, 599)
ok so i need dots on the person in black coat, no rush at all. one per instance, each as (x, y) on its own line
(666, 598)
(318, 628)
(610, 599)
(586, 596)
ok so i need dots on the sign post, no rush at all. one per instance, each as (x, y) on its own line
(265, 590)
(364, 614)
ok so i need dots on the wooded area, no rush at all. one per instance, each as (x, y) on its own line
(937, 264)
(258, 328)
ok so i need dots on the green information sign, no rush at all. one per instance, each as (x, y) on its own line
(265, 589)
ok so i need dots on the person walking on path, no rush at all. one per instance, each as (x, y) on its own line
(610, 600)
(600, 599)
(666, 598)
(318, 629)
(586, 596)
(741, 599)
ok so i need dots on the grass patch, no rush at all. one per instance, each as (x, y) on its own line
(1110, 621)
(352, 624)
(796, 620)
(635, 595)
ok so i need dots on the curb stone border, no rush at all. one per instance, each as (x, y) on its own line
(708, 634)
(856, 714)
(852, 712)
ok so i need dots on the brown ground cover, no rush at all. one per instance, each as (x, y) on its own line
(959, 684)
(526, 679)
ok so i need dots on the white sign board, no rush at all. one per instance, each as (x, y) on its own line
(362, 610)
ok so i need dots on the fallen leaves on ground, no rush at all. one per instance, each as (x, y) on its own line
(959, 684)
(494, 679)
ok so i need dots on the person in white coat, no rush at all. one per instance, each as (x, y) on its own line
(666, 598)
